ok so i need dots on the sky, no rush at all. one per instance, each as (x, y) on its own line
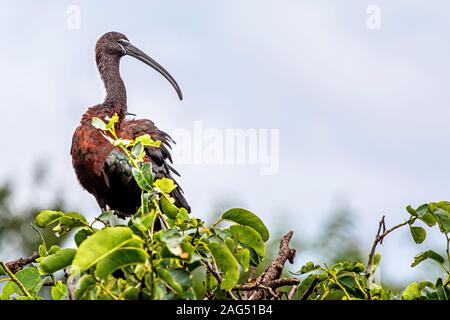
(362, 113)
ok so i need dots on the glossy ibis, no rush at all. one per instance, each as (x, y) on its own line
(102, 169)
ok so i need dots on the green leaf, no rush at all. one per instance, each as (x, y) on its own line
(59, 291)
(308, 267)
(53, 249)
(103, 243)
(429, 254)
(376, 261)
(66, 221)
(118, 259)
(159, 291)
(165, 185)
(411, 211)
(31, 280)
(444, 205)
(247, 218)
(411, 292)
(347, 267)
(42, 251)
(82, 235)
(144, 222)
(84, 287)
(131, 293)
(144, 176)
(255, 260)
(418, 233)
(138, 151)
(306, 283)
(443, 219)
(227, 264)
(105, 216)
(47, 217)
(2, 271)
(121, 142)
(424, 214)
(442, 293)
(147, 140)
(178, 279)
(145, 201)
(112, 121)
(69, 221)
(98, 123)
(243, 257)
(182, 216)
(250, 237)
(168, 207)
(57, 261)
(230, 243)
(422, 209)
(172, 239)
(428, 219)
(184, 251)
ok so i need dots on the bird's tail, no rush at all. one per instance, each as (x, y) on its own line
(180, 200)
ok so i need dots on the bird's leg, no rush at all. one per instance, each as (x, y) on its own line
(108, 212)
(120, 215)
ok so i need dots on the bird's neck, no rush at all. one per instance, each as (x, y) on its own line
(116, 94)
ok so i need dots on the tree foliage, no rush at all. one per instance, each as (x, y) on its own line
(159, 250)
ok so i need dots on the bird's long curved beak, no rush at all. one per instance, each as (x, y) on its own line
(138, 54)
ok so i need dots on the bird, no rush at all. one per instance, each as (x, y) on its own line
(103, 169)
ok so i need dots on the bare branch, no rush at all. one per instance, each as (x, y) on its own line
(70, 284)
(284, 282)
(17, 265)
(218, 277)
(381, 234)
(310, 289)
(292, 292)
(271, 277)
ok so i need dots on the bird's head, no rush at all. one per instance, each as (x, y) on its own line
(117, 45)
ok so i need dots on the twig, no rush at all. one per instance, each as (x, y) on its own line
(17, 265)
(274, 271)
(381, 234)
(272, 284)
(219, 278)
(284, 282)
(270, 290)
(214, 272)
(70, 284)
(292, 292)
(15, 280)
(310, 289)
(251, 273)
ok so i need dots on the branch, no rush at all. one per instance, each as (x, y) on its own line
(219, 278)
(284, 282)
(272, 284)
(271, 277)
(70, 284)
(310, 289)
(381, 234)
(15, 280)
(292, 292)
(17, 265)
